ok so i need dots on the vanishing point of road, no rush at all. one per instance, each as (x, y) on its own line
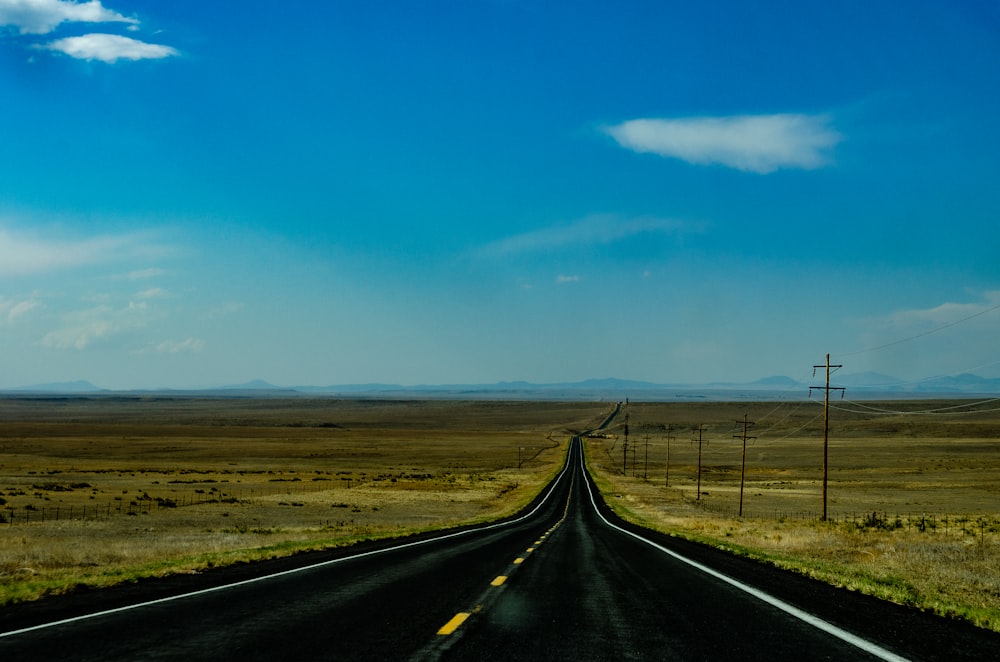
(565, 580)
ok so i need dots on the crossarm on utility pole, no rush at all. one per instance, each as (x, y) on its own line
(743, 468)
(826, 417)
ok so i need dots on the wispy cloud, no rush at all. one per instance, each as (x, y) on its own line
(976, 321)
(98, 325)
(44, 16)
(22, 254)
(224, 310)
(40, 17)
(109, 48)
(592, 230)
(175, 346)
(152, 293)
(562, 279)
(140, 274)
(942, 316)
(753, 143)
(12, 309)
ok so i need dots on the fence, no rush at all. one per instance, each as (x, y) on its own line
(104, 511)
(961, 525)
(146, 504)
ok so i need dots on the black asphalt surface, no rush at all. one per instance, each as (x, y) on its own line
(564, 582)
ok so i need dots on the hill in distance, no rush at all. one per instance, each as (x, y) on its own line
(77, 386)
(867, 385)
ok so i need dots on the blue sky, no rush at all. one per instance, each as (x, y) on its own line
(197, 194)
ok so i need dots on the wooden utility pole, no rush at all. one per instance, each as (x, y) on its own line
(826, 417)
(743, 468)
(666, 475)
(625, 444)
(701, 429)
(645, 462)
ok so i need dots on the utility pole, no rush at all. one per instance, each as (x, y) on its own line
(625, 445)
(826, 417)
(701, 429)
(666, 475)
(743, 468)
(645, 462)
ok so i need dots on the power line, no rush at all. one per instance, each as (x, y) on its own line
(889, 412)
(929, 411)
(935, 377)
(925, 333)
(777, 422)
(794, 432)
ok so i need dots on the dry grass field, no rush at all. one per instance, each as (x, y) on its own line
(95, 491)
(913, 496)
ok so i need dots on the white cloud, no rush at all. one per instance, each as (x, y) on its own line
(561, 279)
(140, 274)
(109, 48)
(918, 343)
(153, 293)
(753, 143)
(22, 254)
(44, 16)
(11, 310)
(82, 329)
(78, 337)
(85, 328)
(597, 229)
(176, 347)
(225, 310)
(942, 316)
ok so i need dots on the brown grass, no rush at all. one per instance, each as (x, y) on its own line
(181, 484)
(914, 499)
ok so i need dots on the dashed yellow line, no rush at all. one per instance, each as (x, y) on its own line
(454, 623)
(460, 618)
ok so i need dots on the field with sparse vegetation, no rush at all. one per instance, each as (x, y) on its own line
(96, 491)
(913, 492)
(102, 490)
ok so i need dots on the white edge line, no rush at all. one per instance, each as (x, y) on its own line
(804, 616)
(223, 587)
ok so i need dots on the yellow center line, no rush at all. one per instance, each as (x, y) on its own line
(454, 623)
(462, 616)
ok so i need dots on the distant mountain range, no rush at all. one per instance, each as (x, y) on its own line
(865, 385)
(79, 386)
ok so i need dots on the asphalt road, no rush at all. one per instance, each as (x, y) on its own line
(565, 581)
